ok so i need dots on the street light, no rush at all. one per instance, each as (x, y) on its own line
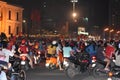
(74, 14)
(105, 30)
(110, 33)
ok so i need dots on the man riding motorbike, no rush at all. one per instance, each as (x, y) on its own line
(23, 50)
(105, 53)
(5, 55)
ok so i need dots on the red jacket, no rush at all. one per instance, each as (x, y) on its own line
(109, 50)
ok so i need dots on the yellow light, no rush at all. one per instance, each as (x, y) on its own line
(111, 30)
(106, 29)
(118, 32)
(24, 21)
(74, 14)
(110, 74)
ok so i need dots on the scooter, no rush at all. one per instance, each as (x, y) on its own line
(51, 62)
(114, 74)
(19, 73)
(77, 65)
(98, 68)
(14, 72)
(24, 64)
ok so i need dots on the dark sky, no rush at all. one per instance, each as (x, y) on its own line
(95, 10)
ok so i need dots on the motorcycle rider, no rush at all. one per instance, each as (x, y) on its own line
(91, 48)
(59, 55)
(2, 57)
(117, 55)
(23, 50)
(7, 53)
(67, 51)
(109, 51)
(101, 54)
(51, 49)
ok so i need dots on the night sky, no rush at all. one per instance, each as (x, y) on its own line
(60, 10)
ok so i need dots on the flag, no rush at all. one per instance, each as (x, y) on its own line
(35, 15)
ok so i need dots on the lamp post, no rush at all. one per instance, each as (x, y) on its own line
(74, 14)
(25, 29)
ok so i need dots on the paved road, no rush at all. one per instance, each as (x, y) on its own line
(41, 73)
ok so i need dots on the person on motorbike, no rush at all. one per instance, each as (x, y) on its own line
(108, 52)
(59, 55)
(7, 53)
(51, 49)
(101, 54)
(23, 50)
(2, 57)
(91, 49)
(117, 55)
(67, 51)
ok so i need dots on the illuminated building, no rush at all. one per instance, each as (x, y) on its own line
(10, 18)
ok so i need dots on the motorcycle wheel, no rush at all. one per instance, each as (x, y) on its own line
(22, 75)
(113, 78)
(96, 73)
(52, 66)
(71, 71)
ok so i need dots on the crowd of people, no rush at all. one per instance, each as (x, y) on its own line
(16, 46)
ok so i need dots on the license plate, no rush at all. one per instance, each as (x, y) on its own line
(22, 62)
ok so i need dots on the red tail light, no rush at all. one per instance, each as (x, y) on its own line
(23, 58)
(39, 52)
(93, 58)
(84, 61)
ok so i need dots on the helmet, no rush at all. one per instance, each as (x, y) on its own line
(54, 42)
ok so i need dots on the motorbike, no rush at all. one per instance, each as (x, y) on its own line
(114, 74)
(98, 66)
(77, 64)
(19, 73)
(15, 72)
(51, 62)
(24, 63)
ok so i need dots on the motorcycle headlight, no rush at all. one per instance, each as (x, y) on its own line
(110, 74)
(93, 65)
(65, 63)
(47, 64)
(109, 79)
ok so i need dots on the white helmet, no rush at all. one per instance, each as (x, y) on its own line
(54, 42)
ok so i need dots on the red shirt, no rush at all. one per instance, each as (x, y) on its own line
(109, 51)
(23, 49)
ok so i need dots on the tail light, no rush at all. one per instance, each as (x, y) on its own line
(110, 74)
(93, 59)
(39, 52)
(84, 61)
(23, 58)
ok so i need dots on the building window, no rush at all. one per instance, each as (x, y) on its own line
(17, 30)
(17, 16)
(9, 30)
(9, 15)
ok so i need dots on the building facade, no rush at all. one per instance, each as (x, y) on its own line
(10, 18)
